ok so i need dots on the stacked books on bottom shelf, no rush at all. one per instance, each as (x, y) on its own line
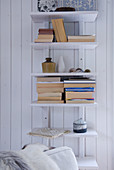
(49, 90)
(79, 90)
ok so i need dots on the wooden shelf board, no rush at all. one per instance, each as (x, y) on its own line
(62, 104)
(82, 16)
(87, 163)
(89, 133)
(64, 45)
(62, 74)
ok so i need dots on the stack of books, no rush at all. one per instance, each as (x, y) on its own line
(45, 35)
(49, 90)
(79, 90)
(59, 29)
(81, 38)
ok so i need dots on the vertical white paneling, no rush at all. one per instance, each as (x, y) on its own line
(16, 75)
(0, 76)
(113, 82)
(5, 55)
(109, 85)
(16, 116)
(101, 86)
(90, 63)
(69, 117)
(37, 122)
(58, 123)
(26, 70)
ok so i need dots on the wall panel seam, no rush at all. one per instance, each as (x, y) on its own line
(21, 73)
(10, 70)
(0, 74)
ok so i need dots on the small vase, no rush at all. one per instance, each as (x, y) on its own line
(61, 65)
(48, 66)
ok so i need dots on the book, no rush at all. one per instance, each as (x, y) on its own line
(79, 95)
(42, 40)
(50, 90)
(48, 132)
(80, 89)
(80, 101)
(49, 98)
(46, 31)
(69, 85)
(48, 79)
(55, 30)
(41, 36)
(50, 94)
(48, 102)
(50, 84)
(80, 81)
(59, 30)
(81, 38)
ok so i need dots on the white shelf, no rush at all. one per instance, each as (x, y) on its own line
(89, 133)
(87, 163)
(82, 16)
(62, 74)
(65, 45)
(62, 104)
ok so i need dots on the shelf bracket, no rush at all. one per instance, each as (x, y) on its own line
(81, 51)
(81, 140)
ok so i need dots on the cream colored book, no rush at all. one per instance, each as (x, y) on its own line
(48, 79)
(79, 85)
(50, 85)
(46, 36)
(40, 98)
(42, 40)
(50, 102)
(50, 95)
(79, 95)
(81, 38)
(50, 90)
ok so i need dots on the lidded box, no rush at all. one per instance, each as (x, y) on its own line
(79, 126)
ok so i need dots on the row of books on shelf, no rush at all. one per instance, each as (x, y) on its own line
(52, 90)
(58, 31)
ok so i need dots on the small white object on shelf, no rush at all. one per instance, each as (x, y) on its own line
(61, 65)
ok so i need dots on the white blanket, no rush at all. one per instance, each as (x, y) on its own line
(31, 158)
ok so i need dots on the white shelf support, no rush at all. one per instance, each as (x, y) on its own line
(81, 140)
(82, 50)
(81, 58)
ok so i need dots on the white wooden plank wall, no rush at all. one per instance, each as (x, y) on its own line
(16, 116)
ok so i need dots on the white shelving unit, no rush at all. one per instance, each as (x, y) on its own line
(62, 74)
(64, 45)
(82, 16)
(63, 104)
(90, 133)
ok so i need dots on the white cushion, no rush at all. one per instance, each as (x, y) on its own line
(64, 158)
(37, 159)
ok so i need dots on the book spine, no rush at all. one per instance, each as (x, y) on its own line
(79, 95)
